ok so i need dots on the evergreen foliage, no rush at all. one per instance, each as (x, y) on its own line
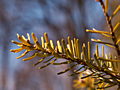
(104, 69)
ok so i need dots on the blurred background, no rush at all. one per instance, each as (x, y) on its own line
(59, 18)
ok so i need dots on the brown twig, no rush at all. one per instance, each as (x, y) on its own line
(114, 39)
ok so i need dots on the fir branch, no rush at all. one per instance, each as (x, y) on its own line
(48, 51)
(114, 39)
(99, 66)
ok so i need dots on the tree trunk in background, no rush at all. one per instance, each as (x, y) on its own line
(5, 37)
(5, 65)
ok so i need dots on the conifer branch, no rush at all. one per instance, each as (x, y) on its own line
(62, 50)
(105, 69)
(108, 19)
